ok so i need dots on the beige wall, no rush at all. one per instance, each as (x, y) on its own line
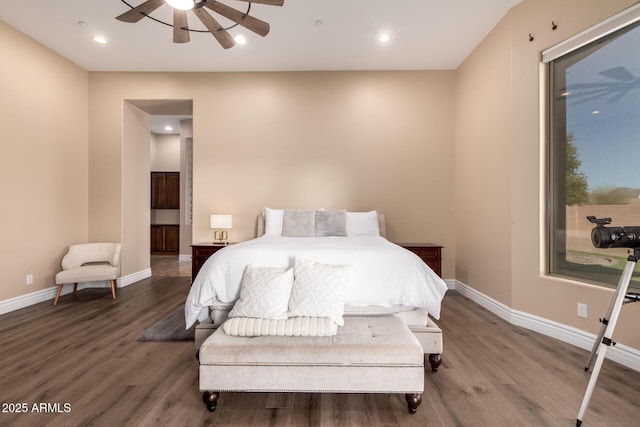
(354, 140)
(43, 161)
(136, 190)
(165, 153)
(186, 132)
(483, 167)
(512, 101)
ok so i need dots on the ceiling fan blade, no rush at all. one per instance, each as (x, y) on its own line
(618, 73)
(269, 2)
(619, 96)
(180, 35)
(247, 21)
(140, 11)
(223, 37)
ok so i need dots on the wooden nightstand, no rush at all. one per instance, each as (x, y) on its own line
(201, 252)
(429, 253)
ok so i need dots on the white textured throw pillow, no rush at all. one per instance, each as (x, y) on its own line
(264, 293)
(292, 327)
(318, 290)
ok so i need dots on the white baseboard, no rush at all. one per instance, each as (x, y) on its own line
(42, 295)
(496, 307)
(620, 353)
(134, 277)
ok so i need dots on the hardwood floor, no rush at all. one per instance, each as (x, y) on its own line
(83, 353)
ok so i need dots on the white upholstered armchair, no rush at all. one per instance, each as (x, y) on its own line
(89, 262)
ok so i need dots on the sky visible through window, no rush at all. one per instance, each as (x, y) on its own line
(603, 113)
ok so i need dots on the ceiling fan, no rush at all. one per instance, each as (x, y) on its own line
(180, 25)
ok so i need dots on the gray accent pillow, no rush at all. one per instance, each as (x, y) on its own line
(299, 223)
(331, 223)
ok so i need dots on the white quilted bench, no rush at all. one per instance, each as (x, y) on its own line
(429, 335)
(367, 355)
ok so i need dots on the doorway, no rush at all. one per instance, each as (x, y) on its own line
(168, 219)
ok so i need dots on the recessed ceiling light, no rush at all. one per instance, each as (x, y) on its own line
(99, 39)
(240, 39)
(168, 128)
(595, 112)
(384, 38)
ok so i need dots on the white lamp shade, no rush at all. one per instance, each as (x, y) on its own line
(220, 222)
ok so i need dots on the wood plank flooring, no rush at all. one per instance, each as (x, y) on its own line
(83, 352)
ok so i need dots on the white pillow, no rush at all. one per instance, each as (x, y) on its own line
(319, 290)
(264, 293)
(273, 219)
(363, 224)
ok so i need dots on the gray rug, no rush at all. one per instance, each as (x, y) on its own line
(169, 328)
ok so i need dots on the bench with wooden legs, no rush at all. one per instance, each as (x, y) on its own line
(367, 355)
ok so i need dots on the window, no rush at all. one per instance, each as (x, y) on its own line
(594, 151)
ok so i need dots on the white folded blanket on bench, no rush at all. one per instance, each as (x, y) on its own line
(291, 327)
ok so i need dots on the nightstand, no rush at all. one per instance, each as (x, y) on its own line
(429, 253)
(201, 252)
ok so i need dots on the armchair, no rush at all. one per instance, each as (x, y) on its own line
(89, 262)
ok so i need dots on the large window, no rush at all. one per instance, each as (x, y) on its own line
(594, 152)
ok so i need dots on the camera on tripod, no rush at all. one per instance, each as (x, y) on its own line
(613, 237)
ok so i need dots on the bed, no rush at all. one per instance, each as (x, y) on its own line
(385, 279)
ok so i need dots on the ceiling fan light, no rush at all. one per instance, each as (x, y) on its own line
(181, 4)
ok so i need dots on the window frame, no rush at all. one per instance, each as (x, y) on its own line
(590, 36)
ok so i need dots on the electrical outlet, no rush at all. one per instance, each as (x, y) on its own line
(582, 310)
(29, 279)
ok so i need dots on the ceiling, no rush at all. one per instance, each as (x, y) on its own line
(305, 35)
(163, 113)
(159, 123)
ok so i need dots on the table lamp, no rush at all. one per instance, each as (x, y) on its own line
(220, 223)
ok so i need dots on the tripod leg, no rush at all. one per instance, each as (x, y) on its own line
(605, 321)
(592, 383)
(606, 341)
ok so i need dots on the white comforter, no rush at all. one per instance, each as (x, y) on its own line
(383, 274)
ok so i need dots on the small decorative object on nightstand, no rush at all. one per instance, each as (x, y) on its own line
(429, 253)
(200, 253)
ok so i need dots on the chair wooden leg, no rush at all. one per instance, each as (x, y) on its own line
(113, 289)
(55, 301)
(75, 288)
